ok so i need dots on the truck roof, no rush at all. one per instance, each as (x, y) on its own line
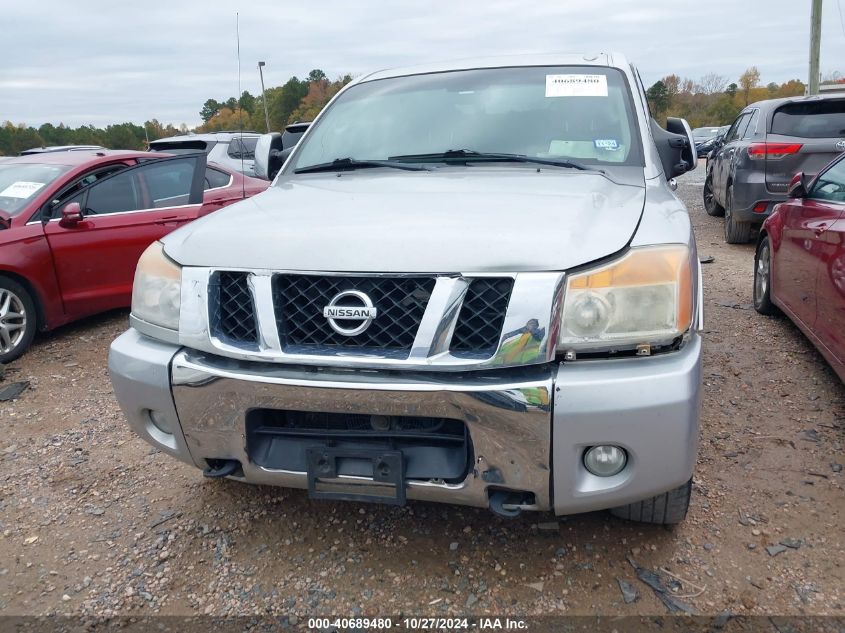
(614, 60)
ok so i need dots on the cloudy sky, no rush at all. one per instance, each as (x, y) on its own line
(97, 62)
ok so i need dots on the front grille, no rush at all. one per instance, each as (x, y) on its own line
(400, 302)
(482, 316)
(232, 311)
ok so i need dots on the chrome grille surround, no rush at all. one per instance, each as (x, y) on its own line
(534, 307)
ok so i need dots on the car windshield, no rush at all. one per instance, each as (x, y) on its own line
(21, 182)
(569, 113)
(703, 133)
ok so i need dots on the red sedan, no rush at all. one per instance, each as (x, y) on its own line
(73, 225)
(800, 263)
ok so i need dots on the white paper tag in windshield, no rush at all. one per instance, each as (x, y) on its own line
(21, 189)
(576, 86)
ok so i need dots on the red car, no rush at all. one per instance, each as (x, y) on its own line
(73, 225)
(799, 267)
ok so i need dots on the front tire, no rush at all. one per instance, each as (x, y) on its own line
(666, 509)
(763, 278)
(17, 320)
(712, 207)
(735, 232)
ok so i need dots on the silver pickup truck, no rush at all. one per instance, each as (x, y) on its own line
(469, 283)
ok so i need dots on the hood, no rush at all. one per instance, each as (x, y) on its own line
(461, 220)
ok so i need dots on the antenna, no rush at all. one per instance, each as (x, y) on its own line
(238, 104)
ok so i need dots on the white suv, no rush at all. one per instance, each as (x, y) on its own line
(235, 150)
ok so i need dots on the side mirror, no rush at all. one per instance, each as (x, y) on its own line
(675, 147)
(797, 188)
(265, 150)
(71, 215)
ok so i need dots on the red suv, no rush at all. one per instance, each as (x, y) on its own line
(73, 225)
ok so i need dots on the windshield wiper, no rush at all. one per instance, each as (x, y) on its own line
(469, 154)
(339, 164)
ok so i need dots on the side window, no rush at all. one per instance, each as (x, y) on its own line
(69, 195)
(118, 193)
(215, 178)
(830, 185)
(752, 125)
(737, 128)
(169, 184)
(242, 147)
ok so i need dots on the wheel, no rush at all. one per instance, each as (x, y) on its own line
(763, 278)
(17, 320)
(666, 509)
(710, 205)
(735, 232)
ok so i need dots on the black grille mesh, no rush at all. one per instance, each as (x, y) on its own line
(299, 301)
(482, 316)
(232, 308)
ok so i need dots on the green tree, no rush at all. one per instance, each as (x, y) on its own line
(247, 102)
(316, 75)
(209, 109)
(658, 98)
(283, 100)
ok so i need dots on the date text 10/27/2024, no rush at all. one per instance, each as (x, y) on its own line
(419, 624)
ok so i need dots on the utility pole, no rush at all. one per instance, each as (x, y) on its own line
(264, 96)
(815, 45)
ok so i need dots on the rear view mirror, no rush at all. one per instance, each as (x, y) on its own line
(265, 150)
(71, 215)
(797, 188)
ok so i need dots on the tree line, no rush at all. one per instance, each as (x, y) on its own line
(296, 100)
(714, 99)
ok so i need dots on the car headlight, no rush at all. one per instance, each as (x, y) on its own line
(644, 298)
(157, 291)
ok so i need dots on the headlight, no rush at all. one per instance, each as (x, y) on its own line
(643, 298)
(157, 292)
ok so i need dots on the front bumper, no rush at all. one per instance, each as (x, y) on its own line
(528, 427)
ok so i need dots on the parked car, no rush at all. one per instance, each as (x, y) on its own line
(470, 283)
(61, 148)
(233, 150)
(769, 142)
(799, 267)
(704, 147)
(73, 224)
(703, 134)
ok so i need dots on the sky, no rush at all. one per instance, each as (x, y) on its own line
(97, 62)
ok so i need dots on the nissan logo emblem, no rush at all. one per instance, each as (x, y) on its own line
(360, 308)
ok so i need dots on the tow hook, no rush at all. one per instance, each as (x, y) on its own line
(501, 498)
(221, 467)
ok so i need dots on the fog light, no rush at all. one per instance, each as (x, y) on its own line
(160, 422)
(605, 461)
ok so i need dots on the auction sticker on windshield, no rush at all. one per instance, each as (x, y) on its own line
(21, 189)
(576, 86)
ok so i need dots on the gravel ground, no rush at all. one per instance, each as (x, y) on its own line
(94, 522)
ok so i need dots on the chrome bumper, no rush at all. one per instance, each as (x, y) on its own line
(528, 427)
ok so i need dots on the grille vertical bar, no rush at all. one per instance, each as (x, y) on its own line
(482, 317)
(232, 309)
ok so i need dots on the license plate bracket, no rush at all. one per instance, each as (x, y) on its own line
(388, 471)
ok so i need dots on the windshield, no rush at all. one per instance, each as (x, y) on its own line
(702, 133)
(21, 182)
(582, 114)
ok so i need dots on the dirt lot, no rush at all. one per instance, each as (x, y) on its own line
(93, 521)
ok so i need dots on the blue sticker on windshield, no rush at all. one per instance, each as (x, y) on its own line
(610, 144)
